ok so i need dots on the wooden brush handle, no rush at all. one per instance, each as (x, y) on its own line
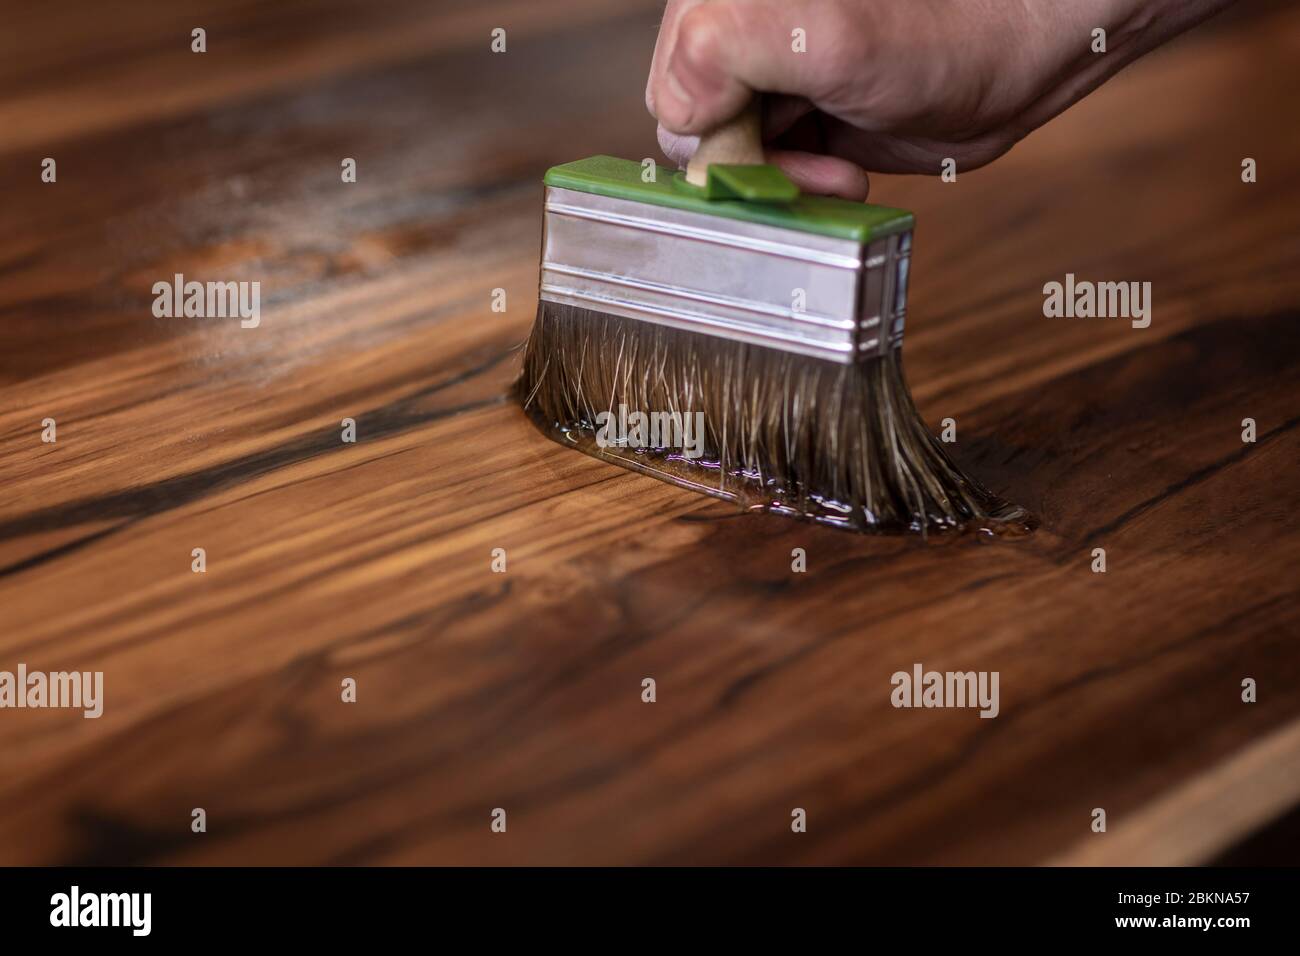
(738, 142)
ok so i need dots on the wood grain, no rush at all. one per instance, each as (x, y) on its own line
(522, 690)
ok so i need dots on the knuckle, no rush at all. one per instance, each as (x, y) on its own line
(701, 35)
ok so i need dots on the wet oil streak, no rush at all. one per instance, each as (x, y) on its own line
(753, 494)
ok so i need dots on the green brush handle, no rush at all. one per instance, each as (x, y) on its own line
(735, 143)
(626, 179)
(729, 162)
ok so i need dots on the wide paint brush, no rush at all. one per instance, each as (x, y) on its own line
(725, 302)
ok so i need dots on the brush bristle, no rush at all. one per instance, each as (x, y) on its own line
(804, 436)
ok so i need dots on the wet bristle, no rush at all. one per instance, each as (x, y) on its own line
(820, 438)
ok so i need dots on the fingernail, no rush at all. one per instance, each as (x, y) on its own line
(676, 147)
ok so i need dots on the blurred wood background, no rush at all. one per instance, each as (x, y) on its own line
(522, 690)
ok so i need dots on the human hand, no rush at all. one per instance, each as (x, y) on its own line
(892, 85)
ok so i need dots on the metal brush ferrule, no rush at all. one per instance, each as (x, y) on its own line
(830, 298)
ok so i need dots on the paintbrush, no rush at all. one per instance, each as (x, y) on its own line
(723, 296)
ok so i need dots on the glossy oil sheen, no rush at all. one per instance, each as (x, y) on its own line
(704, 476)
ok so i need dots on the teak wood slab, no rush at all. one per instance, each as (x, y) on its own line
(478, 690)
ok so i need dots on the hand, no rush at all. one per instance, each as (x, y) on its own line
(892, 85)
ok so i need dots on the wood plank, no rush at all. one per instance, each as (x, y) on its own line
(1173, 831)
(522, 690)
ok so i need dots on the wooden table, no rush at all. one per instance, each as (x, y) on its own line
(522, 690)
